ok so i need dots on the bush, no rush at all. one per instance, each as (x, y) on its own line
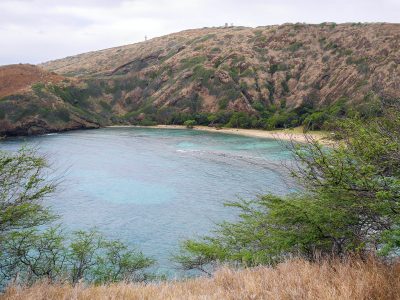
(189, 123)
(240, 120)
(315, 121)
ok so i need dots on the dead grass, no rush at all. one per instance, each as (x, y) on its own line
(19, 78)
(295, 279)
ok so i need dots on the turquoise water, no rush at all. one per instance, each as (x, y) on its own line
(155, 187)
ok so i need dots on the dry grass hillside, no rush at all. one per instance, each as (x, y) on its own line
(243, 66)
(277, 75)
(19, 78)
(296, 279)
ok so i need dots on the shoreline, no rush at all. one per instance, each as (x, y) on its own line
(283, 135)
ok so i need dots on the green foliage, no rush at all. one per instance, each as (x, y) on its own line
(285, 87)
(283, 119)
(242, 120)
(259, 106)
(189, 123)
(38, 88)
(223, 103)
(331, 46)
(204, 38)
(316, 120)
(234, 73)
(62, 114)
(32, 255)
(202, 74)
(293, 47)
(321, 119)
(349, 204)
(277, 67)
(188, 63)
(95, 259)
(271, 89)
(361, 63)
(273, 68)
(31, 249)
(72, 95)
(23, 186)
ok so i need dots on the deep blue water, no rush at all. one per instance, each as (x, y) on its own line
(155, 187)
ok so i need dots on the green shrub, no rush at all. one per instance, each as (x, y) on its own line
(315, 121)
(285, 87)
(188, 63)
(189, 123)
(63, 114)
(293, 47)
(38, 88)
(240, 120)
(223, 103)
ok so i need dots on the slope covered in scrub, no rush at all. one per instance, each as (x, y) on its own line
(267, 77)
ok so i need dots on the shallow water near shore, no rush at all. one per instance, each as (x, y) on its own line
(152, 188)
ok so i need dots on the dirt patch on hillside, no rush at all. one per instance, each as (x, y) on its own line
(17, 78)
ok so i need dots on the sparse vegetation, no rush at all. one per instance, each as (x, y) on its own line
(230, 69)
(294, 279)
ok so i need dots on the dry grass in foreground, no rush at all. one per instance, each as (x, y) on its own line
(295, 279)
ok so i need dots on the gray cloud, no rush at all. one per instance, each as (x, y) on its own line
(39, 30)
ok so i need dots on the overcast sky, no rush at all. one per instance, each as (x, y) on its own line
(34, 31)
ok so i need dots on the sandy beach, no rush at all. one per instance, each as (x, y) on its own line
(285, 135)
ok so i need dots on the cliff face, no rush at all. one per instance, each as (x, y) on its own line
(232, 69)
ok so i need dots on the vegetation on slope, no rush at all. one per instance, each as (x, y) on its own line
(266, 77)
(33, 101)
(265, 72)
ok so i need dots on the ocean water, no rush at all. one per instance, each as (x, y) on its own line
(153, 188)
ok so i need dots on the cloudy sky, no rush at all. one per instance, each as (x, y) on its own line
(34, 31)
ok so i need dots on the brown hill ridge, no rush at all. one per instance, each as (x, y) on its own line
(28, 108)
(19, 78)
(281, 72)
(323, 62)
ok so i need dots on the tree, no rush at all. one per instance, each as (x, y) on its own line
(33, 248)
(189, 123)
(349, 204)
(30, 255)
(82, 253)
(23, 186)
(118, 263)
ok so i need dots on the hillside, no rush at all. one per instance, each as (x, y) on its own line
(279, 76)
(27, 107)
(294, 279)
(19, 78)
